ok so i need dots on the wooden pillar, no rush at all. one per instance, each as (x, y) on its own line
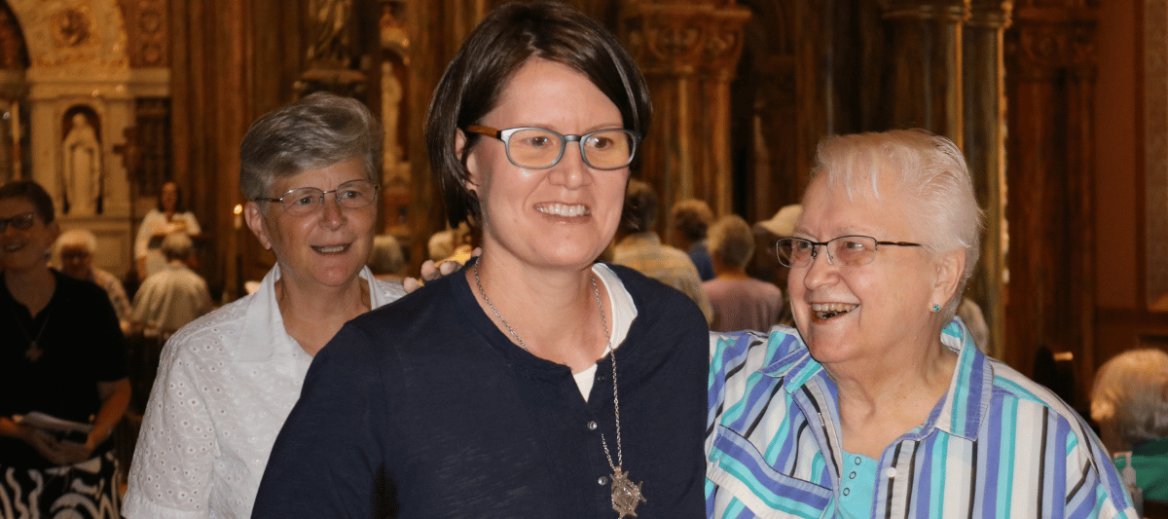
(922, 82)
(689, 53)
(1050, 149)
(985, 142)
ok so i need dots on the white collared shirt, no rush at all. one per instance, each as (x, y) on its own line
(225, 385)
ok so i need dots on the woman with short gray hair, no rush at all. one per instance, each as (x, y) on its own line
(227, 381)
(1130, 403)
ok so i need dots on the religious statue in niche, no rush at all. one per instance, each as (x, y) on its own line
(81, 171)
(330, 33)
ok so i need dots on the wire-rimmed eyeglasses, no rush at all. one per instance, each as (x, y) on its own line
(20, 221)
(540, 148)
(353, 194)
(845, 251)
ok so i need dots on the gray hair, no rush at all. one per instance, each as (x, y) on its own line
(82, 238)
(317, 131)
(732, 241)
(177, 245)
(929, 169)
(1130, 397)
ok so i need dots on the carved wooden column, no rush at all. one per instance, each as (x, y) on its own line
(923, 81)
(1050, 81)
(688, 52)
(985, 142)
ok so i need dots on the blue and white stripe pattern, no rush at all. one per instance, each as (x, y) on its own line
(998, 445)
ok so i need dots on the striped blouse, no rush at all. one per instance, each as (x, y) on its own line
(997, 445)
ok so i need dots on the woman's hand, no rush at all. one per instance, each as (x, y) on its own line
(432, 271)
(59, 453)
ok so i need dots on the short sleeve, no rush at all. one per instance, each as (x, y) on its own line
(173, 461)
(111, 361)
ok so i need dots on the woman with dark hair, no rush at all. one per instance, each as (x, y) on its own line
(534, 382)
(62, 354)
(170, 216)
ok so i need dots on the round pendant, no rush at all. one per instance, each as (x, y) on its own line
(34, 352)
(626, 495)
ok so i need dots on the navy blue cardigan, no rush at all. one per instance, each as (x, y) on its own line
(428, 399)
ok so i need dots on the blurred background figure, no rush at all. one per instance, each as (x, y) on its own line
(764, 264)
(1130, 403)
(174, 296)
(691, 219)
(387, 261)
(974, 319)
(639, 247)
(61, 354)
(441, 245)
(73, 255)
(740, 302)
(170, 216)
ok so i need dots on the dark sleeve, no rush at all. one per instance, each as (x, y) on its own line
(111, 362)
(327, 461)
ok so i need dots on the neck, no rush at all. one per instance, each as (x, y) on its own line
(554, 310)
(728, 272)
(313, 315)
(32, 288)
(891, 396)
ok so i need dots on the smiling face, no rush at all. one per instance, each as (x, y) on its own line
(24, 249)
(864, 313)
(558, 217)
(325, 248)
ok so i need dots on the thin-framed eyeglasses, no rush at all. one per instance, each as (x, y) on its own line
(353, 194)
(540, 148)
(852, 250)
(20, 221)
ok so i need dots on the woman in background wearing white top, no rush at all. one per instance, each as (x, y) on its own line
(168, 217)
(227, 381)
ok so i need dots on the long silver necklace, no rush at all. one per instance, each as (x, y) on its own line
(626, 495)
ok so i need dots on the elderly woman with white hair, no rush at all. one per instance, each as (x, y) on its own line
(73, 253)
(1130, 403)
(879, 404)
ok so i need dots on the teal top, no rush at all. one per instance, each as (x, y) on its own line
(1150, 460)
(859, 485)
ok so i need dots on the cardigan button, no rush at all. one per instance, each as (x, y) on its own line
(592, 425)
(602, 480)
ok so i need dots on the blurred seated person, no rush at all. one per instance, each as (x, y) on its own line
(175, 296)
(740, 302)
(387, 261)
(170, 216)
(639, 247)
(61, 354)
(1130, 403)
(971, 314)
(691, 220)
(73, 254)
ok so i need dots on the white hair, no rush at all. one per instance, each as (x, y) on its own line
(1130, 398)
(929, 169)
(75, 238)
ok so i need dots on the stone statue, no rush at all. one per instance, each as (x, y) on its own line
(81, 167)
(330, 32)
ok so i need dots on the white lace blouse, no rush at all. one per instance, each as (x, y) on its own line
(225, 385)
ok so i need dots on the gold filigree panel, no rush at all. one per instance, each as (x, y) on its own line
(146, 28)
(73, 34)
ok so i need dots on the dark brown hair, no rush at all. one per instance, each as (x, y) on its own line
(509, 36)
(42, 203)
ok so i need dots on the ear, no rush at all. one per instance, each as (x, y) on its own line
(949, 268)
(472, 168)
(255, 221)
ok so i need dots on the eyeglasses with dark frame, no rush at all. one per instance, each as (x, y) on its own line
(851, 250)
(540, 148)
(20, 221)
(354, 194)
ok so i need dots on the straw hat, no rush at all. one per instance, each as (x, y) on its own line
(783, 223)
